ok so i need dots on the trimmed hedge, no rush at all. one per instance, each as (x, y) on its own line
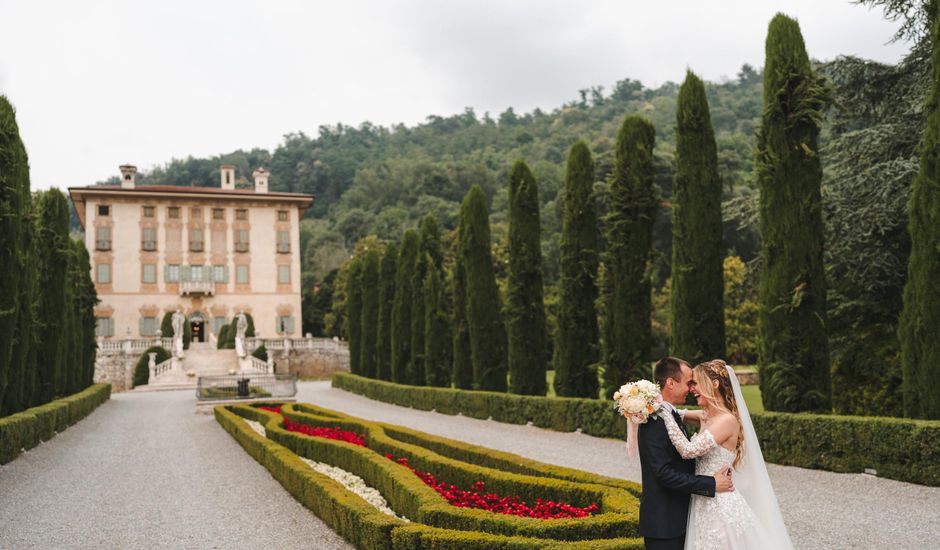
(24, 430)
(142, 369)
(365, 527)
(897, 448)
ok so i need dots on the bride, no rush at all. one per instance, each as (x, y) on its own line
(748, 517)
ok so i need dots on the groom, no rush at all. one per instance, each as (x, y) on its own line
(668, 479)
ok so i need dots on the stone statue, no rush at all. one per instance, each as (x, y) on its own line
(178, 320)
(240, 328)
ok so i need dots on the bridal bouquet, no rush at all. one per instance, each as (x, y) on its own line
(638, 401)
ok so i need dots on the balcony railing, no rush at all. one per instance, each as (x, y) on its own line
(283, 248)
(195, 246)
(241, 247)
(149, 245)
(102, 244)
(197, 287)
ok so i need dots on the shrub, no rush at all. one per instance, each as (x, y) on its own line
(261, 352)
(142, 370)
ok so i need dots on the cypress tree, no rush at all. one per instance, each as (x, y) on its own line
(383, 343)
(402, 368)
(437, 332)
(369, 284)
(576, 344)
(72, 366)
(462, 365)
(354, 314)
(920, 317)
(698, 322)
(526, 307)
(629, 224)
(89, 298)
(53, 252)
(793, 355)
(487, 333)
(429, 256)
(21, 390)
(13, 169)
(166, 327)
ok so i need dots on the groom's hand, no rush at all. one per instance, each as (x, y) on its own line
(723, 483)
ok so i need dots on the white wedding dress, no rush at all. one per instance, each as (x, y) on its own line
(747, 518)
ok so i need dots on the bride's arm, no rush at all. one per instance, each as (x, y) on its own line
(691, 417)
(698, 446)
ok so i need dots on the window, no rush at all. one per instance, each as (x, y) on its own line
(218, 214)
(195, 273)
(102, 238)
(283, 274)
(148, 238)
(149, 274)
(104, 326)
(195, 240)
(148, 211)
(195, 213)
(172, 273)
(148, 326)
(282, 216)
(284, 324)
(241, 274)
(241, 240)
(104, 274)
(173, 212)
(219, 274)
(104, 210)
(241, 214)
(283, 242)
(217, 324)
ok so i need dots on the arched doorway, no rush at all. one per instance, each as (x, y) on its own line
(198, 322)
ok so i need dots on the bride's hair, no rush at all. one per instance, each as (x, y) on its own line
(722, 397)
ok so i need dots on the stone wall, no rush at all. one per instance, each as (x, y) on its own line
(318, 360)
(116, 367)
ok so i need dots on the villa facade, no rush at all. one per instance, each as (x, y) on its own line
(209, 252)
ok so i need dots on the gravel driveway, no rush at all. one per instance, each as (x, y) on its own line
(144, 471)
(822, 510)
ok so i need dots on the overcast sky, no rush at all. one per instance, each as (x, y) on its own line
(101, 83)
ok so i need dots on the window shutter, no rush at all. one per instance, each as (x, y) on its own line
(225, 274)
(110, 326)
(140, 327)
(289, 325)
(184, 273)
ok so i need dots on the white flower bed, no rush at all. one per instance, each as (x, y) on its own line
(350, 481)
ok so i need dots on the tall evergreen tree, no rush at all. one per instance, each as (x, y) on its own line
(629, 224)
(369, 284)
(21, 394)
(576, 344)
(402, 366)
(89, 298)
(920, 318)
(526, 307)
(429, 256)
(793, 355)
(53, 251)
(487, 333)
(437, 332)
(698, 322)
(14, 175)
(74, 355)
(383, 342)
(462, 366)
(354, 314)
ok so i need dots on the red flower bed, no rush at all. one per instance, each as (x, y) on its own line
(477, 498)
(328, 433)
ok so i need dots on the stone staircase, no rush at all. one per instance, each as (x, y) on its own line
(203, 360)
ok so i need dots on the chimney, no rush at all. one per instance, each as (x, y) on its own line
(261, 180)
(128, 175)
(228, 176)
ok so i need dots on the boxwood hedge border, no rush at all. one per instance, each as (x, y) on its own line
(896, 448)
(26, 429)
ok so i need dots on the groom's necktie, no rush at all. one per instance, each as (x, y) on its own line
(675, 414)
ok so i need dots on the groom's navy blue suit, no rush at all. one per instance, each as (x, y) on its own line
(668, 482)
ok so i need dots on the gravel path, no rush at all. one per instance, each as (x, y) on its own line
(144, 471)
(822, 510)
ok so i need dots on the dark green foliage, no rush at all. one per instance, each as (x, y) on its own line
(793, 355)
(525, 309)
(429, 256)
(383, 343)
(53, 252)
(369, 313)
(21, 392)
(402, 370)
(919, 330)
(28, 428)
(438, 340)
(222, 337)
(261, 352)
(629, 225)
(462, 366)
(487, 333)
(166, 326)
(317, 302)
(188, 334)
(576, 344)
(698, 322)
(142, 369)
(85, 298)
(354, 315)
